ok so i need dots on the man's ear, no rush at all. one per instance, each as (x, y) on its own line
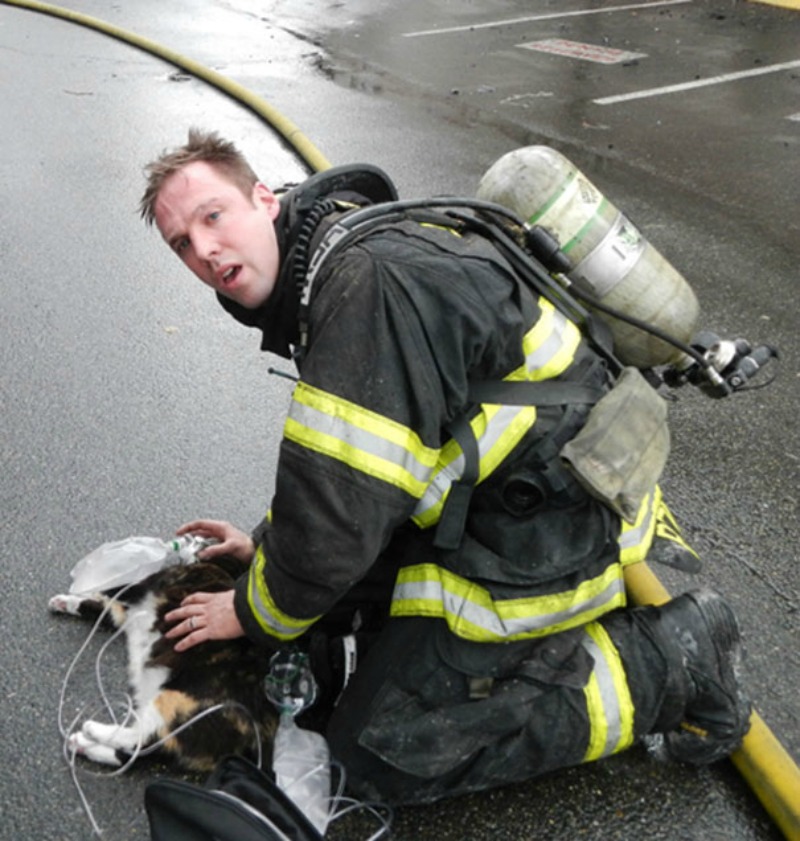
(263, 195)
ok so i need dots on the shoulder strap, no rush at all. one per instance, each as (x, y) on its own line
(454, 514)
(476, 215)
(548, 393)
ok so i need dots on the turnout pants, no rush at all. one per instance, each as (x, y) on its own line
(429, 715)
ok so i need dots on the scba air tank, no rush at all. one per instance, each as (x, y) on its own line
(610, 257)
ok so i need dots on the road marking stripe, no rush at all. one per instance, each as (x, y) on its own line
(552, 16)
(698, 83)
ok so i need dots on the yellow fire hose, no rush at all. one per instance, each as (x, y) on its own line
(306, 150)
(764, 763)
(762, 760)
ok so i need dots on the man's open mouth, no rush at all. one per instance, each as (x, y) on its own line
(229, 275)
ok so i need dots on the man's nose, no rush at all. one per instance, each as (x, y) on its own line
(205, 245)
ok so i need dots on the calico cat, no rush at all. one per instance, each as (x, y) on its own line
(168, 688)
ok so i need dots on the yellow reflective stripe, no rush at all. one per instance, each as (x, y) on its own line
(636, 538)
(597, 721)
(506, 428)
(654, 518)
(608, 698)
(472, 613)
(497, 430)
(549, 347)
(364, 440)
(668, 528)
(270, 617)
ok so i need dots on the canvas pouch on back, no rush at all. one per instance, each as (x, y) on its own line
(620, 453)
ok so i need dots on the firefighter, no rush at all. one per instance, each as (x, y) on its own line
(430, 528)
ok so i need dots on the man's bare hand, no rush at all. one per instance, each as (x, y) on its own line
(232, 541)
(202, 617)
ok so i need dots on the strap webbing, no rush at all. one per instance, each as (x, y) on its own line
(518, 393)
(501, 392)
(454, 514)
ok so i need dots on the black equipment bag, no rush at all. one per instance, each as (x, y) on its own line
(238, 802)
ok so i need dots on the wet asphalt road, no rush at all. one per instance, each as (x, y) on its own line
(130, 403)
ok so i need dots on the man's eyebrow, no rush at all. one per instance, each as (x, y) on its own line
(198, 211)
(204, 205)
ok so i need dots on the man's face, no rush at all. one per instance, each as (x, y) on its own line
(225, 237)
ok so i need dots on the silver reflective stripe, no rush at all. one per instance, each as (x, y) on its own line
(486, 619)
(608, 694)
(442, 481)
(541, 362)
(542, 355)
(632, 536)
(268, 621)
(271, 619)
(360, 439)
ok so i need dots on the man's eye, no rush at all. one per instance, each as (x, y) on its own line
(214, 215)
(181, 245)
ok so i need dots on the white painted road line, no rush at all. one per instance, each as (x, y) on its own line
(551, 16)
(697, 83)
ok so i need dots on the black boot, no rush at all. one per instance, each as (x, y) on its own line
(716, 713)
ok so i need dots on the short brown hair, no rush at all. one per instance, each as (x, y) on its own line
(205, 146)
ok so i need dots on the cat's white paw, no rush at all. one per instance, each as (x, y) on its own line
(82, 744)
(115, 736)
(65, 603)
